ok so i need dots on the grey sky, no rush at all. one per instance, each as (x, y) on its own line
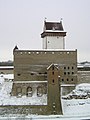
(21, 23)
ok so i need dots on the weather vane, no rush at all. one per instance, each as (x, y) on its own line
(45, 19)
(61, 19)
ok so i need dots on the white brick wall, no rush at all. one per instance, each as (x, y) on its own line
(53, 42)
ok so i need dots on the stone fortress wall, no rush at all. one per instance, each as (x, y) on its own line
(31, 66)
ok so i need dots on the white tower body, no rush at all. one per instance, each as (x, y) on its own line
(53, 36)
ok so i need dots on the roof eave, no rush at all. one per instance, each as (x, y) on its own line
(56, 33)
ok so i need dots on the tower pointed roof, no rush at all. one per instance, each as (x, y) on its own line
(53, 28)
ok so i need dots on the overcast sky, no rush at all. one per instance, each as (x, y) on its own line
(21, 23)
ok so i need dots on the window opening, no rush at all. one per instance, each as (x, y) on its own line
(64, 73)
(32, 73)
(19, 91)
(68, 73)
(45, 73)
(53, 81)
(39, 91)
(40, 73)
(53, 73)
(72, 67)
(68, 67)
(72, 72)
(64, 67)
(18, 74)
(29, 92)
(53, 67)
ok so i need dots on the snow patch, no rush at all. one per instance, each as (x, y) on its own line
(6, 98)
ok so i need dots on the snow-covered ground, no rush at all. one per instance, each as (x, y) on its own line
(6, 98)
(75, 106)
(42, 117)
(77, 103)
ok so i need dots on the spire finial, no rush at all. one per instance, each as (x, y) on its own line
(45, 19)
(44, 28)
(61, 19)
